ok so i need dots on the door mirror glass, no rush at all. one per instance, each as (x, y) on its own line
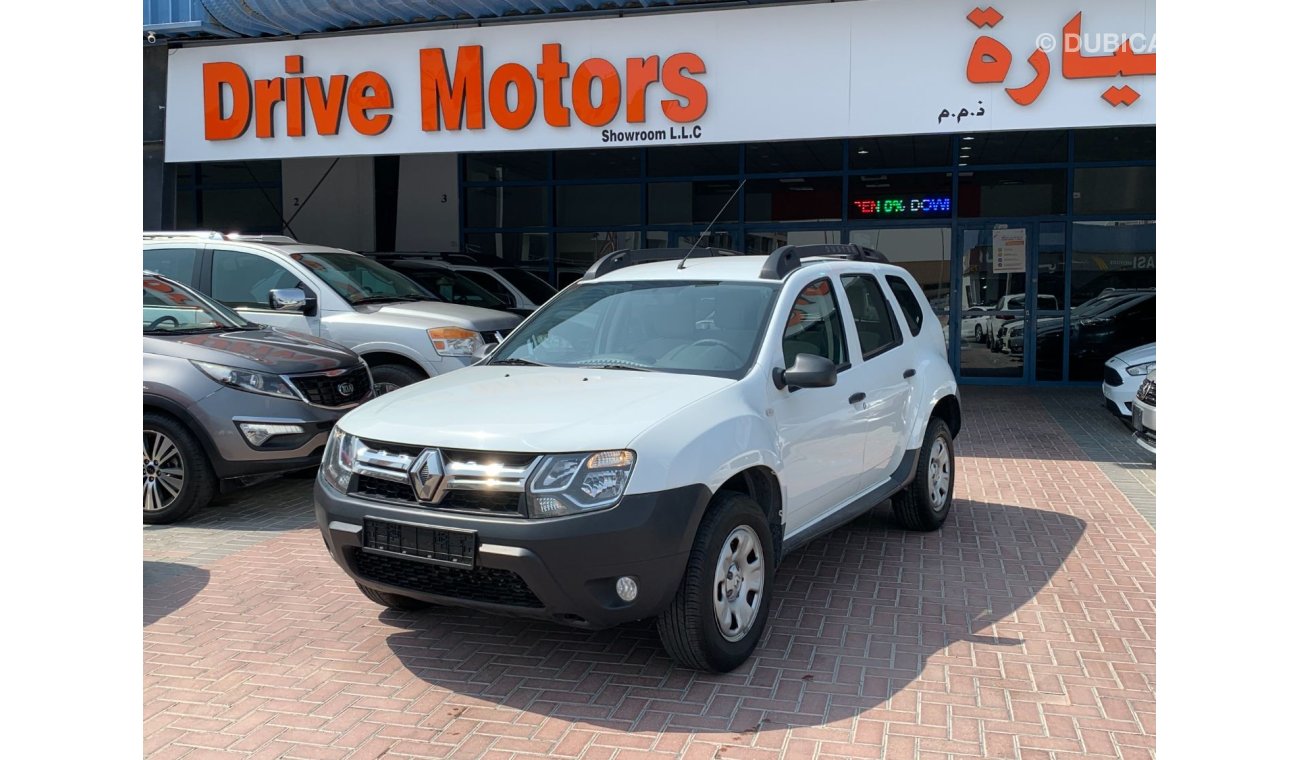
(808, 371)
(287, 299)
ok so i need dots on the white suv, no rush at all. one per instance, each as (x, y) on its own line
(401, 331)
(651, 443)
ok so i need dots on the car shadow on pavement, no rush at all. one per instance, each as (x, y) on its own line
(855, 617)
(168, 586)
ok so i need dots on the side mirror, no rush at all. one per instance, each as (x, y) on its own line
(288, 299)
(808, 371)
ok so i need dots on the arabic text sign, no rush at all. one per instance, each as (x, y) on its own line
(772, 73)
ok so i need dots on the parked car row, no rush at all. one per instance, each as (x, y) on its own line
(255, 345)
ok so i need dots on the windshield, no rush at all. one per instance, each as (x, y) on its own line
(533, 287)
(172, 308)
(450, 286)
(702, 328)
(361, 280)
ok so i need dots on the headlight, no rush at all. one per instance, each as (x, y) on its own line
(454, 341)
(566, 484)
(1141, 369)
(336, 464)
(248, 380)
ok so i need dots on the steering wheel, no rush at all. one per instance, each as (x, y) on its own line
(720, 344)
(154, 324)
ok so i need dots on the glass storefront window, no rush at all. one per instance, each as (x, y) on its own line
(900, 196)
(506, 206)
(1033, 147)
(1115, 190)
(794, 156)
(507, 167)
(793, 199)
(692, 202)
(1115, 144)
(1113, 296)
(603, 205)
(763, 243)
(693, 160)
(1011, 193)
(599, 163)
(925, 252)
(575, 252)
(527, 250)
(900, 152)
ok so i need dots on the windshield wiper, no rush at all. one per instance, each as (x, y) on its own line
(189, 330)
(519, 362)
(605, 364)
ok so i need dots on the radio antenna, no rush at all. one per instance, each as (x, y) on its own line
(682, 264)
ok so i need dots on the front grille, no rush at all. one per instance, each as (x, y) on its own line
(504, 503)
(484, 584)
(339, 390)
(378, 488)
(1112, 377)
(1147, 392)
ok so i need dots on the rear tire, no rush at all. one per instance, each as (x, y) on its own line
(390, 377)
(392, 601)
(177, 476)
(925, 502)
(728, 576)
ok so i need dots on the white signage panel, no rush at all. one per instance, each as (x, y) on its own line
(779, 73)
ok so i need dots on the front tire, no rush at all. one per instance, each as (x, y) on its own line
(979, 334)
(715, 620)
(925, 502)
(390, 377)
(177, 476)
(392, 601)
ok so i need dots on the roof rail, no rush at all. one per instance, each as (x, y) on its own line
(206, 234)
(788, 258)
(633, 256)
(214, 235)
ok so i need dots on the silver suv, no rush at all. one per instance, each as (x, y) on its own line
(227, 401)
(401, 330)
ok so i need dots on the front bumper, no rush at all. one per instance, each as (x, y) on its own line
(220, 413)
(562, 569)
(1144, 426)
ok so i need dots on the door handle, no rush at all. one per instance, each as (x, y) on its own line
(909, 373)
(857, 398)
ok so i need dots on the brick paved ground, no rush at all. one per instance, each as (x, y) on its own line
(1025, 628)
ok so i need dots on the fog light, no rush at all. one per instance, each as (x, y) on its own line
(259, 433)
(626, 588)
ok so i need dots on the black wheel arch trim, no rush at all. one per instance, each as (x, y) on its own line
(182, 415)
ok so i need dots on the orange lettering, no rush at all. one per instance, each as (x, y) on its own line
(369, 91)
(525, 92)
(693, 90)
(327, 110)
(641, 73)
(294, 115)
(451, 101)
(216, 78)
(553, 71)
(266, 93)
(587, 111)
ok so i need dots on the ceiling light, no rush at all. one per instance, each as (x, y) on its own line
(968, 137)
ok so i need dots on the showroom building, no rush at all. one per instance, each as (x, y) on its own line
(1005, 154)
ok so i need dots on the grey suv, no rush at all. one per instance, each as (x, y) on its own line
(227, 401)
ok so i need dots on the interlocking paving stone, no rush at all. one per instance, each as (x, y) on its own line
(1025, 628)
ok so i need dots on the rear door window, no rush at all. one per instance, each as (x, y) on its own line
(180, 264)
(907, 300)
(870, 314)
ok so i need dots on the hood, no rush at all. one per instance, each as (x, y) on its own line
(1139, 355)
(266, 350)
(528, 409)
(426, 314)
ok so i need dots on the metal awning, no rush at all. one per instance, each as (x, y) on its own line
(262, 18)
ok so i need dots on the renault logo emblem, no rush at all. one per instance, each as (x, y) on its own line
(345, 388)
(426, 474)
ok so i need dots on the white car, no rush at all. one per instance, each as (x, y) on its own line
(1123, 373)
(651, 443)
(519, 288)
(1144, 413)
(402, 332)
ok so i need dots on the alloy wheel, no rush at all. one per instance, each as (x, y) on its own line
(940, 473)
(164, 471)
(738, 583)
